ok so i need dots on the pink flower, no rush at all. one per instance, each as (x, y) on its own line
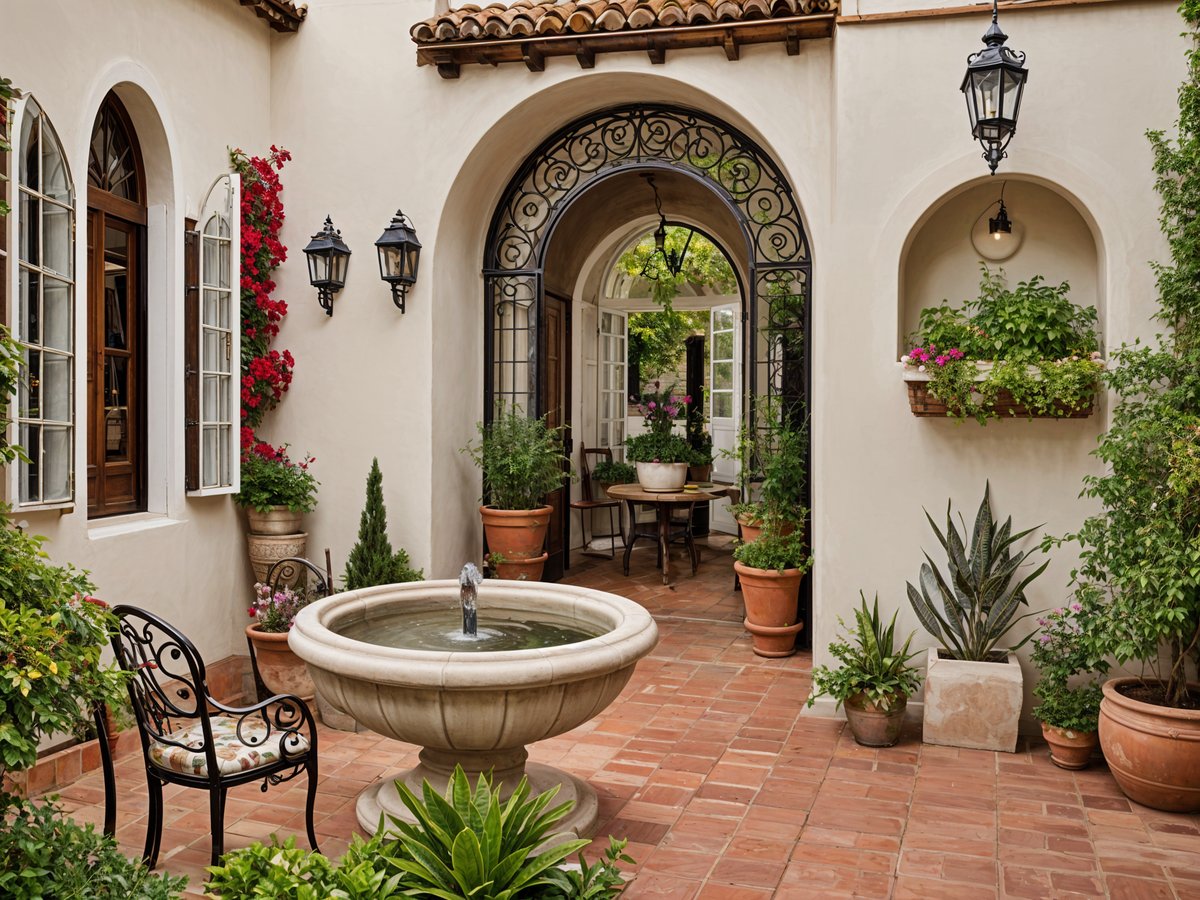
(652, 405)
(942, 360)
(955, 353)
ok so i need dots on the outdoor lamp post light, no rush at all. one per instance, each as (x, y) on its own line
(993, 85)
(1001, 225)
(399, 253)
(327, 259)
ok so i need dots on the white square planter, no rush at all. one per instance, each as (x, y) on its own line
(973, 704)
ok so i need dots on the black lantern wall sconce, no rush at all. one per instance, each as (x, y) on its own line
(328, 257)
(993, 86)
(661, 257)
(399, 253)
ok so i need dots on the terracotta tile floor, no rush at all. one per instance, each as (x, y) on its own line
(726, 793)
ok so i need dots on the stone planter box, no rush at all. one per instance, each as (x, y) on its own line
(976, 705)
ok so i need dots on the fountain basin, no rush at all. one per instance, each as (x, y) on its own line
(476, 709)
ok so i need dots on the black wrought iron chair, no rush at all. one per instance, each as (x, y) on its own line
(191, 739)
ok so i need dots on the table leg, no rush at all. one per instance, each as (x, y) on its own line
(664, 540)
(632, 535)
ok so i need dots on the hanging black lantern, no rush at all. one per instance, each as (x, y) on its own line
(327, 260)
(993, 86)
(1001, 225)
(672, 260)
(399, 253)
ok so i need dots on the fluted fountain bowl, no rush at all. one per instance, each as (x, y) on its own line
(476, 708)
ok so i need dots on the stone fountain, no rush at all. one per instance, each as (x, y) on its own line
(398, 659)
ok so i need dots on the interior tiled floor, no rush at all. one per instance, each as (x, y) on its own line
(726, 791)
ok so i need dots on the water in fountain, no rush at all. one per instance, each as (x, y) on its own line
(468, 580)
(440, 630)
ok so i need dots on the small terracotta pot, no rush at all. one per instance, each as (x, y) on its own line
(662, 478)
(872, 726)
(1152, 751)
(752, 528)
(277, 520)
(112, 731)
(771, 599)
(281, 670)
(522, 570)
(1069, 749)
(700, 473)
(516, 534)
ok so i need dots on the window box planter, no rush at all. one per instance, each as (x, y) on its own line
(925, 405)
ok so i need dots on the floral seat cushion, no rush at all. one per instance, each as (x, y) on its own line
(254, 749)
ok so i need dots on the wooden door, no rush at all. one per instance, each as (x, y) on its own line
(556, 404)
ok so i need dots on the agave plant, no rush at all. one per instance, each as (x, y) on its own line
(471, 844)
(972, 610)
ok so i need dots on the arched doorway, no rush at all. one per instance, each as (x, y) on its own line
(520, 351)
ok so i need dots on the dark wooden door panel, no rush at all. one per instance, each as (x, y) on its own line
(556, 405)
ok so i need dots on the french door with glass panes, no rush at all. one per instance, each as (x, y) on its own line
(613, 336)
(725, 402)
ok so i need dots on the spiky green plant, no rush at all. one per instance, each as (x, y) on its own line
(971, 611)
(470, 843)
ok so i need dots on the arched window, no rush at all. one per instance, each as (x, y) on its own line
(45, 313)
(116, 395)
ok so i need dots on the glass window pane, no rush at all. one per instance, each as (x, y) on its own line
(55, 182)
(31, 441)
(225, 470)
(31, 229)
(722, 405)
(30, 141)
(56, 387)
(224, 305)
(29, 315)
(209, 261)
(722, 345)
(224, 250)
(56, 309)
(214, 345)
(210, 397)
(211, 308)
(223, 394)
(604, 434)
(30, 401)
(56, 476)
(210, 441)
(722, 320)
(722, 376)
(116, 407)
(56, 238)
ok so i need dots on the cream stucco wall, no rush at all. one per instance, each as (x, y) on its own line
(867, 126)
(196, 80)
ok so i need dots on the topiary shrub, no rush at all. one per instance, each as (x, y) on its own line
(372, 561)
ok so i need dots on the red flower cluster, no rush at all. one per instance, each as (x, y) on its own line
(266, 373)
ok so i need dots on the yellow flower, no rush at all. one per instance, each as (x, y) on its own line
(53, 667)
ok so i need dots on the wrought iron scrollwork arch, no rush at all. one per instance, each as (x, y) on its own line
(709, 150)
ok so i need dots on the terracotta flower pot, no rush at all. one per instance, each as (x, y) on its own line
(267, 549)
(872, 726)
(702, 474)
(277, 520)
(771, 599)
(1152, 751)
(281, 670)
(1069, 749)
(752, 528)
(662, 478)
(521, 570)
(516, 534)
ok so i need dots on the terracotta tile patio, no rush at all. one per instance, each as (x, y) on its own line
(727, 793)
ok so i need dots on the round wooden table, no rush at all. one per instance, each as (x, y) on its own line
(664, 504)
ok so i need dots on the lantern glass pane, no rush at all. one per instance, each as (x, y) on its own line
(337, 273)
(392, 261)
(1013, 82)
(318, 269)
(414, 255)
(987, 87)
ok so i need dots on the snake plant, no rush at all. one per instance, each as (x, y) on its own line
(972, 610)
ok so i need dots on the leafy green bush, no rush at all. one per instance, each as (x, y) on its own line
(871, 665)
(610, 471)
(270, 478)
(51, 634)
(1033, 321)
(469, 843)
(43, 854)
(972, 610)
(657, 447)
(522, 460)
(372, 561)
(775, 551)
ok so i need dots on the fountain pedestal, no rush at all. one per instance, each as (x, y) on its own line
(476, 709)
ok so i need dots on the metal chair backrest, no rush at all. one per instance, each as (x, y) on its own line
(585, 468)
(168, 687)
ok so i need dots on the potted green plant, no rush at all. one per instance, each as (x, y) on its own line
(609, 472)
(276, 491)
(874, 680)
(701, 467)
(1069, 706)
(770, 570)
(522, 461)
(661, 457)
(772, 466)
(273, 612)
(1028, 351)
(1138, 585)
(973, 690)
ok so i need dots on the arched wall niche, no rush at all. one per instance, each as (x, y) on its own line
(1058, 241)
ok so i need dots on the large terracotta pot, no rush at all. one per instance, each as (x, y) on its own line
(1152, 751)
(1069, 749)
(872, 726)
(516, 534)
(281, 670)
(522, 569)
(277, 520)
(662, 478)
(267, 549)
(771, 600)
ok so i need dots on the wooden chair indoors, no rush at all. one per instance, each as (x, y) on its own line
(191, 739)
(588, 504)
